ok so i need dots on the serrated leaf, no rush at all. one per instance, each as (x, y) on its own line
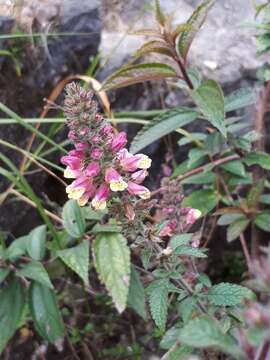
(258, 158)
(112, 262)
(240, 99)
(190, 251)
(263, 221)
(136, 296)
(210, 100)
(226, 294)
(133, 74)
(204, 332)
(235, 167)
(35, 271)
(36, 242)
(162, 126)
(179, 240)
(77, 259)
(204, 200)
(196, 21)
(11, 311)
(73, 219)
(158, 301)
(45, 313)
(236, 228)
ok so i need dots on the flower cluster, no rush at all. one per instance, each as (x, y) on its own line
(99, 162)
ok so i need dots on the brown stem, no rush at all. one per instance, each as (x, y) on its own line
(183, 71)
(245, 251)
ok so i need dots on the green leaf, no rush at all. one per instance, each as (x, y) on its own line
(263, 221)
(196, 21)
(236, 228)
(36, 242)
(35, 271)
(226, 294)
(112, 262)
(203, 178)
(204, 332)
(210, 99)
(235, 167)
(254, 193)
(160, 17)
(163, 125)
(136, 296)
(179, 240)
(258, 158)
(229, 218)
(45, 313)
(11, 311)
(133, 74)
(190, 251)
(204, 200)
(265, 199)
(16, 249)
(186, 308)
(100, 228)
(77, 259)
(158, 301)
(4, 274)
(74, 222)
(240, 99)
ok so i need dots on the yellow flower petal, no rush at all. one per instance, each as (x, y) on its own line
(99, 204)
(69, 174)
(120, 185)
(75, 194)
(145, 195)
(145, 162)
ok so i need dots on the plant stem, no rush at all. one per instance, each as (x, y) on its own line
(183, 71)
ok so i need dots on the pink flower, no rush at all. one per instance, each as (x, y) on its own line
(168, 229)
(130, 162)
(141, 191)
(96, 139)
(92, 169)
(115, 180)
(81, 146)
(96, 153)
(191, 215)
(99, 202)
(119, 141)
(139, 176)
(72, 135)
(78, 187)
(73, 162)
(107, 130)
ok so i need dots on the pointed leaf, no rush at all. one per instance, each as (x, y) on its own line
(258, 158)
(35, 271)
(236, 228)
(45, 313)
(136, 296)
(210, 99)
(112, 262)
(17, 248)
(240, 99)
(162, 126)
(155, 46)
(36, 242)
(77, 259)
(133, 74)
(227, 219)
(73, 217)
(158, 301)
(11, 310)
(226, 294)
(196, 21)
(263, 221)
(235, 167)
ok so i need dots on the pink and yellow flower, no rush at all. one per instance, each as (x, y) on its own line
(99, 201)
(115, 180)
(119, 141)
(141, 191)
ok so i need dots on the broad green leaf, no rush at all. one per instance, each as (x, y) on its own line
(229, 218)
(196, 21)
(235, 167)
(112, 262)
(45, 313)
(236, 228)
(263, 221)
(240, 99)
(190, 251)
(133, 74)
(186, 308)
(163, 125)
(16, 249)
(258, 158)
(204, 200)
(210, 100)
(35, 271)
(226, 294)
(170, 337)
(196, 157)
(74, 222)
(36, 242)
(11, 310)
(4, 274)
(136, 296)
(77, 259)
(203, 178)
(158, 301)
(205, 332)
(180, 240)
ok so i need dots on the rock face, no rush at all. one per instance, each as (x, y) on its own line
(224, 48)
